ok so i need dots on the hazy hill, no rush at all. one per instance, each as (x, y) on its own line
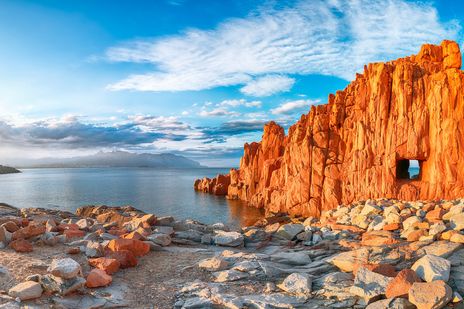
(115, 159)
(8, 170)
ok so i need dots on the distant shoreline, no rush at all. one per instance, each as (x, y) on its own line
(8, 170)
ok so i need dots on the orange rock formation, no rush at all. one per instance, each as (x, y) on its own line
(357, 146)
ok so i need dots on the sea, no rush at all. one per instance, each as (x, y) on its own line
(163, 192)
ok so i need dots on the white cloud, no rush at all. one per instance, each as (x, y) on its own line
(218, 112)
(293, 106)
(268, 85)
(309, 37)
(240, 102)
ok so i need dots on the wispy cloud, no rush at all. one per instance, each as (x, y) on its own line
(334, 37)
(240, 102)
(218, 112)
(293, 106)
(268, 85)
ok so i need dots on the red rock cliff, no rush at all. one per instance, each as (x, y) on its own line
(355, 146)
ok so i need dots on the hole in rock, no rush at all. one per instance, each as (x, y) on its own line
(408, 169)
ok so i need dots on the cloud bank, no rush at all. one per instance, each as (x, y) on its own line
(264, 51)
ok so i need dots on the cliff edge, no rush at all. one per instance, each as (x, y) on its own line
(358, 146)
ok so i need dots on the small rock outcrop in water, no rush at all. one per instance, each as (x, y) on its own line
(8, 170)
(357, 146)
(372, 254)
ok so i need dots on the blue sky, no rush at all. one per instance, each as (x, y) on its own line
(193, 77)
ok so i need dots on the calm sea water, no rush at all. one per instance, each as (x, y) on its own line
(162, 192)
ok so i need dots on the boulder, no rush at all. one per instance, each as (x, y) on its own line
(26, 290)
(228, 239)
(21, 245)
(125, 258)
(98, 278)
(66, 268)
(110, 266)
(160, 239)
(53, 284)
(457, 222)
(430, 268)
(29, 231)
(137, 247)
(289, 231)
(430, 295)
(229, 275)
(94, 249)
(369, 285)
(213, 264)
(399, 286)
(346, 261)
(297, 284)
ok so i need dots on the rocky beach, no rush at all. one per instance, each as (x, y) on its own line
(372, 254)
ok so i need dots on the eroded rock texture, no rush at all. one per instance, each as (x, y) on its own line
(354, 147)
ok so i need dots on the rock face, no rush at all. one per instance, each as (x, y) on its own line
(357, 146)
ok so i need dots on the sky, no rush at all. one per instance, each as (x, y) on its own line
(197, 78)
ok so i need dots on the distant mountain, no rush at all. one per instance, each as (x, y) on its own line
(115, 159)
(8, 170)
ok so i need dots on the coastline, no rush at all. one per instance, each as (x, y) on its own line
(349, 257)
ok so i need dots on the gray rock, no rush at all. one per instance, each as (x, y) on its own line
(26, 290)
(168, 230)
(297, 284)
(207, 239)
(61, 286)
(289, 231)
(192, 235)
(430, 268)
(164, 220)
(442, 248)
(6, 280)
(94, 249)
(65, 268)
(369, 285)
(276, 300)
(335, 285)
(345, 261)
(229, 275)
(160, 239)
(246, 266)
(291, 258)
(229, 239)
(391, 303)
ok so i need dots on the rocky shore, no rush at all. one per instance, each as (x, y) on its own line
(372, 254)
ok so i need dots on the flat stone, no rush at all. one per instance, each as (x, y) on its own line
(346, 261)
(369, 285)
(457, 238)
(168, 230)
(276, 300)
(229, 275)
(391, 303)
(213, 264)
(160, 239)
(297, 284)
(442, 248)
(430, 268)
(290, 230)
(291, 258)
(26, 290)
(65, 268)
(430, 295)
(378, 238)
(228, 239)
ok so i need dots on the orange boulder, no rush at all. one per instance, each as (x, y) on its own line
(125, 258)
(400, 285)
(98, 278)
(110, 266)
(21, 245)
(29, 231)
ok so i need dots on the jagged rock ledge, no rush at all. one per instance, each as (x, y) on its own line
(375, 254)
(358, 145)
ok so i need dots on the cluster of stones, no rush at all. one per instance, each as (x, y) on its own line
(376, 254)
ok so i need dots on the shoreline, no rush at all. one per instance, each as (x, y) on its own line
(349, 258)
